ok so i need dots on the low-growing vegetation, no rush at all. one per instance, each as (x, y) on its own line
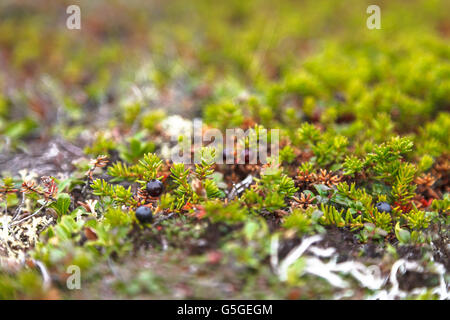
(359, 189)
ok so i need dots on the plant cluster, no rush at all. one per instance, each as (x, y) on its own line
(364, 157)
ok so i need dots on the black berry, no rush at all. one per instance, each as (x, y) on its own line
(227, 153)
(155, 188)
(249, 157)
(245, 155)
(144, 214)
(383, 207)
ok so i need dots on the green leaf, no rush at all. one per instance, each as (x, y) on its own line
(62, 204)
(322, 189)
(404, 236)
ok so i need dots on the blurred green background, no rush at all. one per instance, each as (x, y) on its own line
(51, 77)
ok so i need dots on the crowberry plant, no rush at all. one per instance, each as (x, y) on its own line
(356, 183)
(154, 188)
(144, 214)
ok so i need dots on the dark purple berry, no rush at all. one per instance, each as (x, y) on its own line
(383, 207)
(227, 153)
(155, 188)
(144, 214)
(246, 155)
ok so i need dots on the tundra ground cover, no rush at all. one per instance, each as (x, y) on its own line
(357, 206)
